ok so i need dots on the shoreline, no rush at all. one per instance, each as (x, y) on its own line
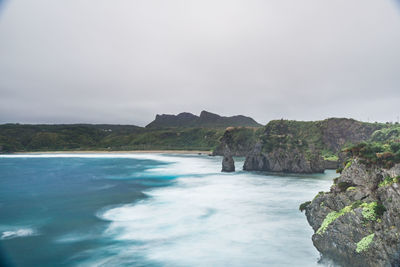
(199, 152)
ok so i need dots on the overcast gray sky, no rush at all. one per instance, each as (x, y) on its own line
(123, 61)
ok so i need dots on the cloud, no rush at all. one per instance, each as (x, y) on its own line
(123, 61)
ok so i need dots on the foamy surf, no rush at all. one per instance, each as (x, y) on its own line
(216, 219)
(199, 217)
(22, 232)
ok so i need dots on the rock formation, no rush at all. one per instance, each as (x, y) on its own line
(357, 223)
(283, 160)
(228, 164)
(240, 141)
(297, 146)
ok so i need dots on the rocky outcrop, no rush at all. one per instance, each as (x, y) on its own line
(283, 160)
(239, 140)
(331, 164)
(228, 164)
(205, 120)
(336, 132)
(357, 223)
(297, 146)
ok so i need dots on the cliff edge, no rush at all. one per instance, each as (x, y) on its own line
(357, 223)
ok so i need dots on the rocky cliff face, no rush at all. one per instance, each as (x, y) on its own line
(297, 146)
(357, 223)
(336, 132)
(239, 140)
(283, 160)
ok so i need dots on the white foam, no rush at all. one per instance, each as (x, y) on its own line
(179, 164)
(73, 237)
(218, 220)
(22, 232)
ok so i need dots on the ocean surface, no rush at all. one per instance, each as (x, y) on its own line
(151, 210)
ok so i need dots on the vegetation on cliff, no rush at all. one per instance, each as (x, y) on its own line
(306, 146)
(327, 137)
(184, 131)
(239, 140)
(358, 221)
(16, 137)
(382, 149)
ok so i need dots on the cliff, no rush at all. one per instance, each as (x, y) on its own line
(292, 160)
(239, 140)
(205, 120)
(337, 132)
(305, 146)
(357, 223)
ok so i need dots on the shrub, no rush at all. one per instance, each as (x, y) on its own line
(304, 205)
(389, 181)
(372, 211)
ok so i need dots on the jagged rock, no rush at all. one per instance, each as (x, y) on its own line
(360, 236)
(283, 160)
(336, 132)
(294, 146)
(228, 164)
(240, 141)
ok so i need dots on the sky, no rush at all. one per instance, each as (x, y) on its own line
(124, 61)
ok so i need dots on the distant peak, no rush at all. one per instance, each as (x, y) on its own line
(206, 119)
(206, 114)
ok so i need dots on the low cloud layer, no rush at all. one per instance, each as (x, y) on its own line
(102, 61)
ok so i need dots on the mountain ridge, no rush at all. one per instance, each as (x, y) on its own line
(205, 120)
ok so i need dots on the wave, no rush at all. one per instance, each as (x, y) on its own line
(236, 219)
(22, 232)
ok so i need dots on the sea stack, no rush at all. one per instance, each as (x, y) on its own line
(228, 164)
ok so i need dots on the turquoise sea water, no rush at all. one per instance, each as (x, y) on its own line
(151, 210)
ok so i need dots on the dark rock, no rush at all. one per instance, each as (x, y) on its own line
(283, 160)
(340, 240)
(240, 141)
(228, 164)
(336, 132)
(293, 146)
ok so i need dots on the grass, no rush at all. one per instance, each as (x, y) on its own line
(365, 243)
(389, 181)
(304, 205)
(331, 217)
(15, 137)
(372, 211)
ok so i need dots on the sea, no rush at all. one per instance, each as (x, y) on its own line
(138, 209)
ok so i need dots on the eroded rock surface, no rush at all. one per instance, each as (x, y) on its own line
(357, 223)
